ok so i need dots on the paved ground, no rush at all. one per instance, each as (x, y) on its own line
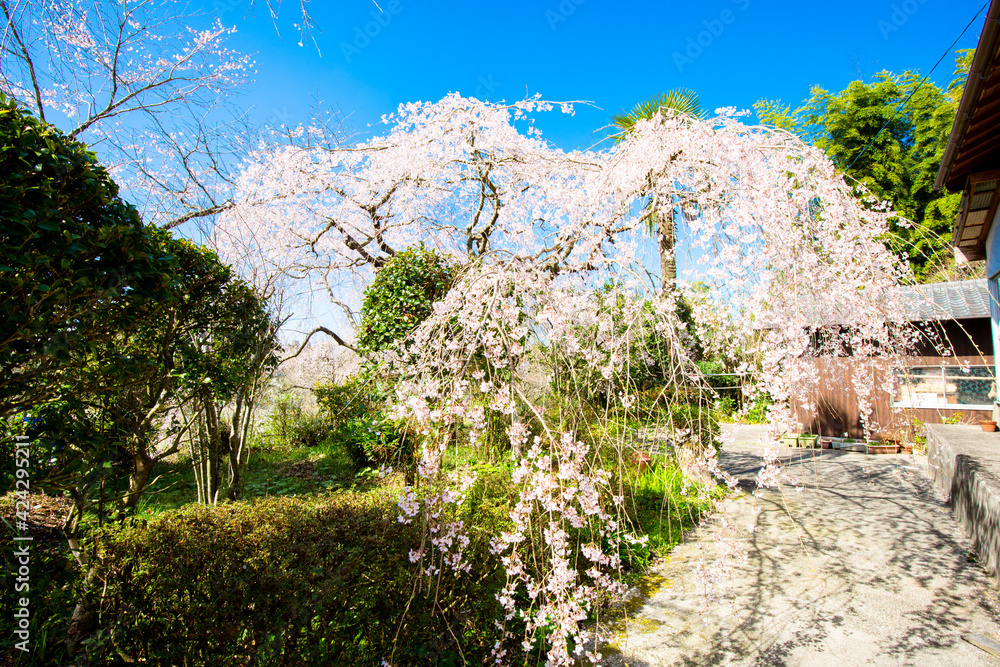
(866, 566)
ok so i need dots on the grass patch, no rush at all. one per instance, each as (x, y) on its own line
(275, 470)
(663, 506)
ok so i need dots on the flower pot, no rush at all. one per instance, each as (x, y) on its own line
(852, 445)
(987, 425)
(808, 441)
(882, 448)
(790, 440)
(906, 448)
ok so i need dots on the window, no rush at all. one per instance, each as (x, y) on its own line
(944, 387)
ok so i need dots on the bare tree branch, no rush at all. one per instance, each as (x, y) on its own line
(340, 341)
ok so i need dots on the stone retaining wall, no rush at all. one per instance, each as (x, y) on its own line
(964, 463)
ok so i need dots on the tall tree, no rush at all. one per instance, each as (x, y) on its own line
(202, 348)
(538, 228)
(677, 101)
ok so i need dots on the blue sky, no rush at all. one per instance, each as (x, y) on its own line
(731, 52)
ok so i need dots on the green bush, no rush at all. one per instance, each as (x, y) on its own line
(757, 412)
(78, 267)
(402, 296)
(355, 416)
(285, 412)
(51, 591)
(292, 425)
(296, 581)
(309, 430)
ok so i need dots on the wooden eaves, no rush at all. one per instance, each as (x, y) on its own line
(971, 161)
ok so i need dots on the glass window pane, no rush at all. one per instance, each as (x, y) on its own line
(944, 386)
(973, 371)
(921, 387)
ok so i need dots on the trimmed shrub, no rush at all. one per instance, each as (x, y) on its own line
(77, 270)
(402, 296)
(296, 581)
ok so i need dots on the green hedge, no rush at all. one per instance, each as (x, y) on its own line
(402, 296)
(294, 581)
(355, 416)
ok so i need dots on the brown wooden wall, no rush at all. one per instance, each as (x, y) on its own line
(967, 338)
(836, 408)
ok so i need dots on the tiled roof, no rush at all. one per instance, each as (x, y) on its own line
(962, 300)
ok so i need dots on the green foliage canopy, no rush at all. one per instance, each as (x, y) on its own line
(196, 342)
(402, 296)
(680, 100)
(76, 263)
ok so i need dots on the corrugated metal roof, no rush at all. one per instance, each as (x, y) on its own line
(962, 300)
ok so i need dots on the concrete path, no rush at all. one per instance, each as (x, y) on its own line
(866, 566)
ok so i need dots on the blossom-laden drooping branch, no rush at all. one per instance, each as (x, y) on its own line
(554, 275)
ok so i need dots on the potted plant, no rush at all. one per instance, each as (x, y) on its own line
(808, 440)
(852, 445)
(882, 448)
(790, 440)
(988, 425)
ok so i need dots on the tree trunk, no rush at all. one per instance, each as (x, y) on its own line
(668, 263)
(213, 442)
(142, 469)
(84, 614)
(82, 622)
(239, 445)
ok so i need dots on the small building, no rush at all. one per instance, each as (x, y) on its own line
(971, 164)
(963, 461)
(949, 375)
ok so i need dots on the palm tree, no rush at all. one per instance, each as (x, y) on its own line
(682, 101)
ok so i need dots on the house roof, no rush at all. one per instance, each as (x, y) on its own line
(974, 143)
(961, 300)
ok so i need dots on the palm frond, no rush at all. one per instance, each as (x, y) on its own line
(682, 100)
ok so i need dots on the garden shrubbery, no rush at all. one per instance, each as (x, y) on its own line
(354, 414)
(402, 296)
(298, 581)
(52, 590)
